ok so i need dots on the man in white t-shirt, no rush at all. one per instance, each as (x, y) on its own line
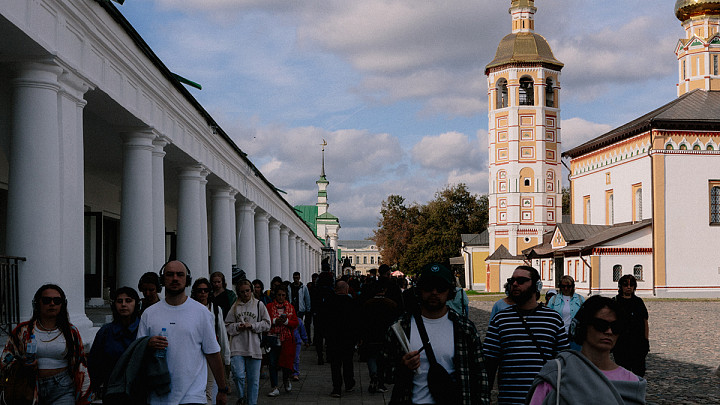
(191, 343)
(453, 339)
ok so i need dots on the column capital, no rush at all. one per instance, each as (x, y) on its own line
(139, 139)
(194, 172)
(44, 74)
(262, 216)
(247, 205)
(221, 192)
(284, 230)
(159, 144)
(274, 223)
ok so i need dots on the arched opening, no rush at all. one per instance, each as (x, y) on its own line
(527, 91)
(526, 179)
(683, 146)
(549, 93)
(502, 94)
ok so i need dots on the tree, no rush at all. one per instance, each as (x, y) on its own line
(566, 201)
(414, 236)
(395, 228)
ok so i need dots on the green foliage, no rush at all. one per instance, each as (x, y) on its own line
(410, 237)
(566, 201)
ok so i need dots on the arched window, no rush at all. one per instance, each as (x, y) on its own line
(715, 205)
(710, 147)
(617, 272)
(683, 146)
(527, 91)
(638, 272)
(696, 147)
(549, 93)
(669, 147)
(502, 94)
(638, 204)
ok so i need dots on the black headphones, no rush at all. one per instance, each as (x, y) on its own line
(188, 276)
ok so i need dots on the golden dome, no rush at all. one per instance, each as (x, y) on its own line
(524, 47)
(685, 9)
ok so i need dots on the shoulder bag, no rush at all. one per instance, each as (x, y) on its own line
(17, 385)
(444, 387)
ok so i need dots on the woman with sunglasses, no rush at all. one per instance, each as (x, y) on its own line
(113, 338)
(202, 293)
(590, 373)
(282, 320)
(567, 303)
(60, 363)
(633, 345)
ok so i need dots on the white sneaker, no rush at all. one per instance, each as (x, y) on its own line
(288, 387)
(275, 392)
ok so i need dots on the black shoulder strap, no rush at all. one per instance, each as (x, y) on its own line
(527, 329)
(424, 338)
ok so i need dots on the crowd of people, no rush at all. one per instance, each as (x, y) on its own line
(414, 335)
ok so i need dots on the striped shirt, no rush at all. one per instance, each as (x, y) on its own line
(508, 342)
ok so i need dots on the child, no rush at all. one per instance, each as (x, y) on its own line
(301, 338)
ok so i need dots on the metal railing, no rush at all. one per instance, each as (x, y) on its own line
(9, 295)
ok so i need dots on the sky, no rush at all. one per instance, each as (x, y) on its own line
(397, 88)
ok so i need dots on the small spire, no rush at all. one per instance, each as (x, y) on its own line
(322, 171)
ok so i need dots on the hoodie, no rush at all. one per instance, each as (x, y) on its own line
(246, 342)
(581, 379)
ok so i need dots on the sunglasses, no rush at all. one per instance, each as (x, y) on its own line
(602, 325)
(519, 280)
(54, 300)
(202, 290)
(439, 288)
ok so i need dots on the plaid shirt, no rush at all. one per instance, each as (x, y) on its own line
(468, 361)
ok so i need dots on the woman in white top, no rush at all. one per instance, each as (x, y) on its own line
(201, 293)
(245, 321)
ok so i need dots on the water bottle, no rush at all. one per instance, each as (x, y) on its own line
(31, 350)
(162, 353)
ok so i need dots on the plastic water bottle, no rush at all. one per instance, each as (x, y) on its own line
(31, 350)
(162, 353)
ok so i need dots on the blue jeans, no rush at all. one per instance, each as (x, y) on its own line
(274, 359)
(57, 390)
(246, 370)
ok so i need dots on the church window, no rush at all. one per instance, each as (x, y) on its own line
(502, 94)
(637, 203)
(586, 210)
(715, 203)
(696, 147)
(638, 272)
(669, 147)
(683, 70)
(715, 65)
(527, 91)
(364, 259)
(610, 208)
(617, 272)
(526, 182)
(549, 93)
(683, 146)
(372, 259)
(710, 147)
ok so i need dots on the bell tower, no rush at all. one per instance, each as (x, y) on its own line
(525, 193)
(699, 51)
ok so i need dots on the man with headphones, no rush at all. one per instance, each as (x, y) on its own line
(443, 338)
(522, 337)
(190, 340)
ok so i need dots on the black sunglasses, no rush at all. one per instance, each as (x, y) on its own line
(602, 325)
(54, 300)
(520, 280)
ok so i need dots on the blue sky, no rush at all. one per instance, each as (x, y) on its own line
(397, 88)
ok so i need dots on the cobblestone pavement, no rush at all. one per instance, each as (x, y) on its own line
(684, 350)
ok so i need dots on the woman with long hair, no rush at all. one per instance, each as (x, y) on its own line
(60, 363)
(567, 303)
(202, 293)
(113, 338)
(590, 374)
(282, 320)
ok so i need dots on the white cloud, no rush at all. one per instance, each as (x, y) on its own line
(576, 131)
(446, 151)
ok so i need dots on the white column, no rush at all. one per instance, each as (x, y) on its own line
(246, 239)
(158, 197)
(204, 264)
(189, 229)
(292, 253)
(233, 227)
(135, 242)
(284, 255)
(275, 264)
(298, 254)
(44, 218)
(262, 247)
(221, 256)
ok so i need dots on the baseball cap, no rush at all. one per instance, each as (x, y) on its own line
(437, 270)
